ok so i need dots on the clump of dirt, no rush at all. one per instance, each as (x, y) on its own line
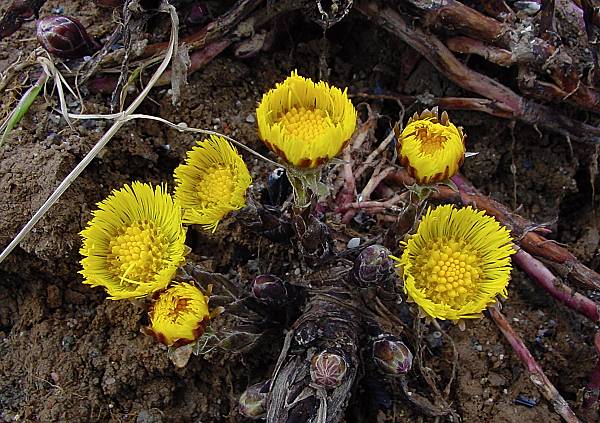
(70, 355)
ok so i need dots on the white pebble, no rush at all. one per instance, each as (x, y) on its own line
(354, 242)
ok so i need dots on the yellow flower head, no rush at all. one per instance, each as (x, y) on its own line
(431, 148)
(179, 315)
(304, 123)
(212, 182)
(457, 262)
(134, 243)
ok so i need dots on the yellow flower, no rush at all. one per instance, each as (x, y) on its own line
(134, 243)
(457, 262)
(212, 182)
(179, 315)
(306, 124)
(431, 148)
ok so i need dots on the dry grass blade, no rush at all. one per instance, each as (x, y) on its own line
(120, 120)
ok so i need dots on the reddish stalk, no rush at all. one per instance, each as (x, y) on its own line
(211, 32)
(551, 284)
(546, 52)
(483, 105)
(592, 390)
(198, 59)
(562, 261)
(468, 45)
(460, 18)
(536, 373)
(526, 232)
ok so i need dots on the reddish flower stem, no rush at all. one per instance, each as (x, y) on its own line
(526, 232)
(551, 284)
(563, 261)
(536, 373)
(592, 390)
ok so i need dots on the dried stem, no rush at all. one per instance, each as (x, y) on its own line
(205, 44)
(536, 373)
(447, 103)
(447, 64)
(540, 48)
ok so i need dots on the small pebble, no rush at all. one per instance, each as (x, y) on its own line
(354, 243)
(250, 118)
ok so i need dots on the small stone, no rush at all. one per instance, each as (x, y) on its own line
(250, 118)
(353, 243)
(496, 380)
(180, 356)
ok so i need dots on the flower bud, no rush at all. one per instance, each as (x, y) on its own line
(430, 147)
(328, 369)
(253, 400)
(198, 14)
(373, 266)
(64, 37)
(278, 187)
(391, 356)
(269, 289)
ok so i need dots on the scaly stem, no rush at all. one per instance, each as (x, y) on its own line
(306, 184)
(536, 374)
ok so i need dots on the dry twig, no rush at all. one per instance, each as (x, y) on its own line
(430, 47)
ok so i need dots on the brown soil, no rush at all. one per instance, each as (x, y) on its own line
(70, 355)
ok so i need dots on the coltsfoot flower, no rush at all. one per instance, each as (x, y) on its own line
(305, 123)
(212, 182)
(179, 315)
(456, 263)
(431, 147)
(134, 243)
